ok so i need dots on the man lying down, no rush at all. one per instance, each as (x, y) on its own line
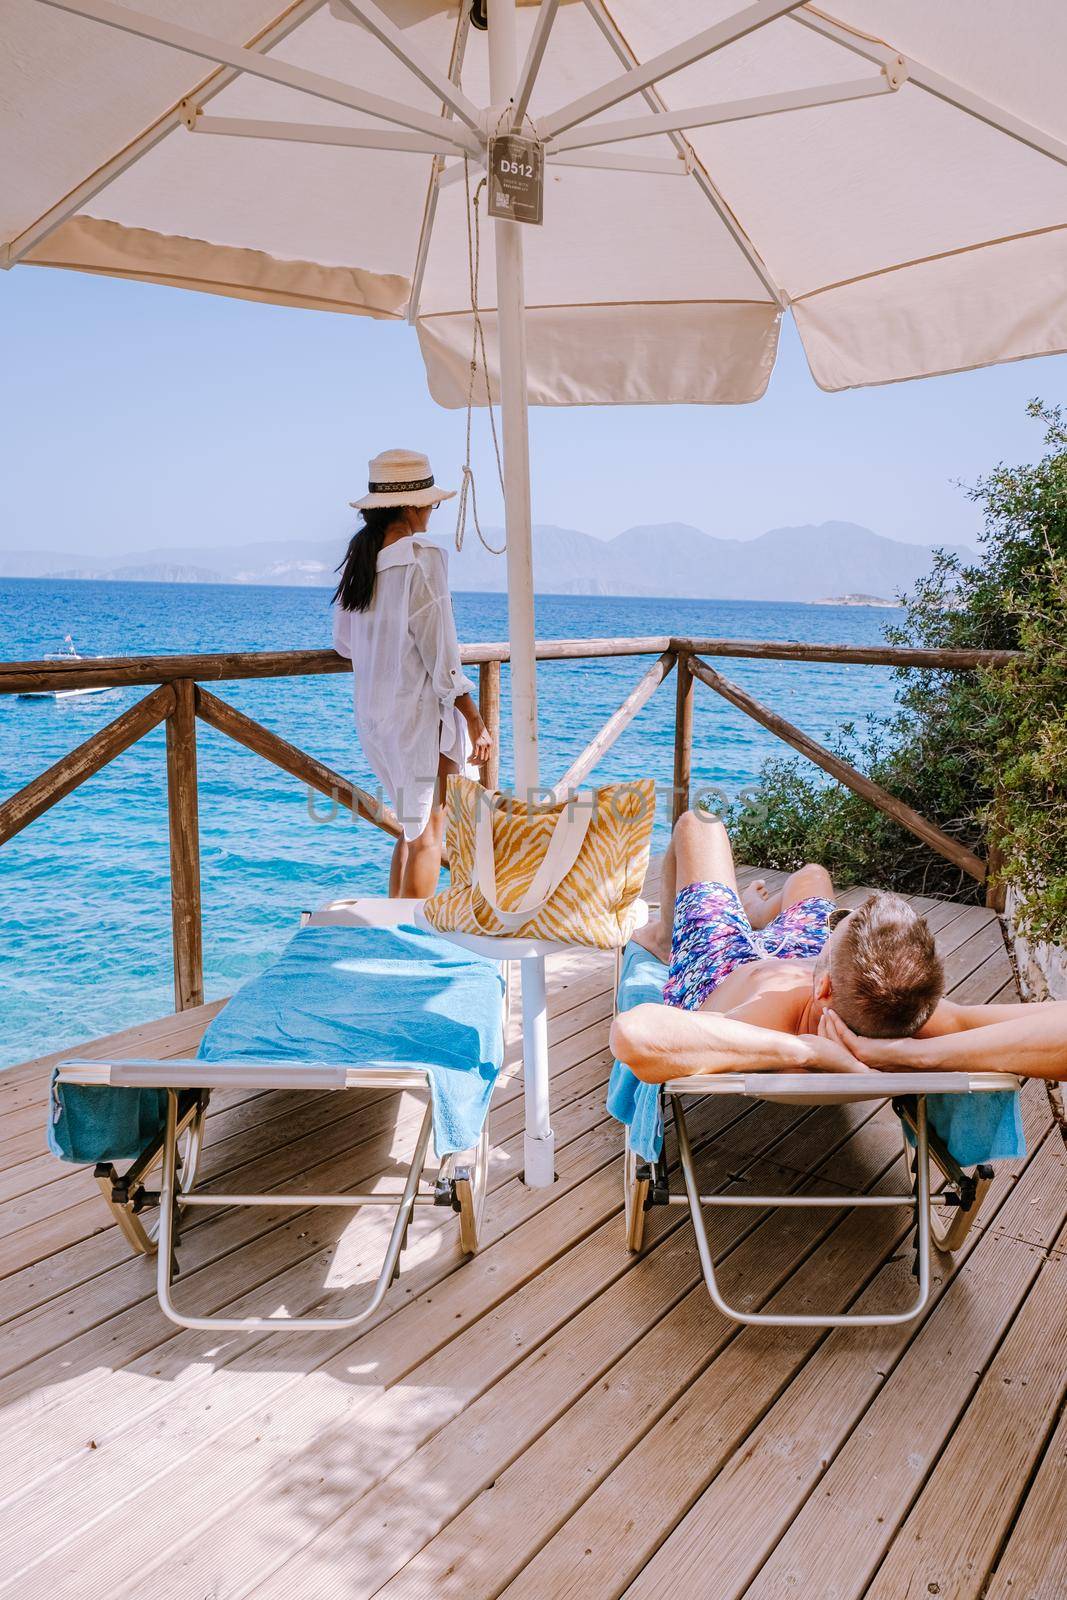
(786, 982)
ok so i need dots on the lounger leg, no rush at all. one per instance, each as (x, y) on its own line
(798, 1320)
(470, 1192)
(636, 1177)
(960, 1204)
(168, 1203)
(126, 1196)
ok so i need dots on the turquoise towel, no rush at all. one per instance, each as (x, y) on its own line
(974, 1127)
(377, 997)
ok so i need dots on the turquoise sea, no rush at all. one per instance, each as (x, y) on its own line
(84, 896)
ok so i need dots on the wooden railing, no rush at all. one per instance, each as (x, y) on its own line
(178, 699)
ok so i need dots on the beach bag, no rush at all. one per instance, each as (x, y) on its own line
(569, 871)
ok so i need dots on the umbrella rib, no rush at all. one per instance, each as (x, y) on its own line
(290, 77)
(708, 188)
(56, 215)
(388, 34)
(323, 133)
(935, 83)
(767, 105)
(455, 69)
(546, 16)
(643, 74)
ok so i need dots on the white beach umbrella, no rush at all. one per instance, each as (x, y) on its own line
(893, 174)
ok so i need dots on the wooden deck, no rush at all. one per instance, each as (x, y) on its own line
(552, 1418)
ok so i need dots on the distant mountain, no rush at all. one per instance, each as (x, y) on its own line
(669, 559)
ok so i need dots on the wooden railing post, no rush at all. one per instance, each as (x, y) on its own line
(489, 706)
(683, 737)
(183, 812)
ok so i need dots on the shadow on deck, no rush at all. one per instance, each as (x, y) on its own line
(553, 1417)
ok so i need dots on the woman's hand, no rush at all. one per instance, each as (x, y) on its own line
(883, 1054)
(481, 740)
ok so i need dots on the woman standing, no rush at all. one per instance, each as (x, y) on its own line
(415, 716)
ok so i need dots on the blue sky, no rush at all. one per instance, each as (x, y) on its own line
(139, 416)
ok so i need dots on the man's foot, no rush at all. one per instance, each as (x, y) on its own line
(654, 938)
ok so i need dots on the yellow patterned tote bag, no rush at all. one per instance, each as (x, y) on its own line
(570, 870)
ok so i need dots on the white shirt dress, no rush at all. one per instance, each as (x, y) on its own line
(407, 676)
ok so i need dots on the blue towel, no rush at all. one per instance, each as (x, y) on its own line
(377, 997)
(974, 1127)
(637, 1104)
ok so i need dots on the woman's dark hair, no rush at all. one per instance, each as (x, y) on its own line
(359, 569)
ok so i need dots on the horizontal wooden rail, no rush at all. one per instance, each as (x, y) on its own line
(22, 677)
(903, 814)
(81, 763)
(290, 758)
(115, 672)
(858, 655)
(639, 696)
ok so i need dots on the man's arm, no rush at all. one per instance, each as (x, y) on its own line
(660, 1042)
(1031, 1042)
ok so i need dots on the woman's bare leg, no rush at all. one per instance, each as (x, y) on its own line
(396, 867)
(422, 866)
(699, 852)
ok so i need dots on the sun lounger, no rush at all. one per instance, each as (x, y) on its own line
(942, 1218)
(354, 1001)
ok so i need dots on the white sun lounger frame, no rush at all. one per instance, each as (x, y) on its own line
(961, 1201)
(461, 1179)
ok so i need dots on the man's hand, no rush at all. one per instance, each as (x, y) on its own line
(831, 1055)
(882, 1054)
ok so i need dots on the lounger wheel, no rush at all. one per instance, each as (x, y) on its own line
(950, 1224)
(636, 1177)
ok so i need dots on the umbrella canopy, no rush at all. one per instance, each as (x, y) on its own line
(895, 176)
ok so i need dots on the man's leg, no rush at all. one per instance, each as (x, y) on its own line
(808, 882)
(699, 852)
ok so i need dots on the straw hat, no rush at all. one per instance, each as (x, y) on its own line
(401, 478)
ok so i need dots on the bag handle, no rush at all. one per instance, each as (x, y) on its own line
(564, 848)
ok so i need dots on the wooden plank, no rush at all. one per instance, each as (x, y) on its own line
(187, 934)
(71, 770)
(951, 1538)
(904, 815)
(492, 1541)
(441, 1317)
(607, 1319)
(846, 1526)
(1033, 1565)
(725, 1490)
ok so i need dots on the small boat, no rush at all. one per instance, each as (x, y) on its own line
(69, 654)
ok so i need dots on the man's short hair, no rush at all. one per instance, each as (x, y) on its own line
(885, 972)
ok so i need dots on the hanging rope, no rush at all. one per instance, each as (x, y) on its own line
(468, 493)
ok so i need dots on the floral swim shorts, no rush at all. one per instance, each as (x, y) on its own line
(713, 936)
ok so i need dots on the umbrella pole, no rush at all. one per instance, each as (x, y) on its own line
(539, 1151)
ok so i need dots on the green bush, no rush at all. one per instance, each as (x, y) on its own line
(982, 754)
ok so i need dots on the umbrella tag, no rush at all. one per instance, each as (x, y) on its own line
(517, 178)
